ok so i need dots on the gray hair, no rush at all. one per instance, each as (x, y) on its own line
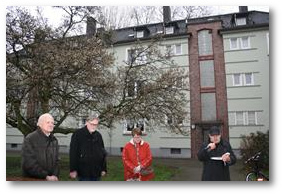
(92, 117)
(43, 117)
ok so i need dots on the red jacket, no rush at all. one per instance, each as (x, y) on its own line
(130, 160)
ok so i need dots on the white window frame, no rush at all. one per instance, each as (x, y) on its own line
(245, 115)
(125, 131)
(172, 49)
(245, 79)
(241, 21)
(169, 50)
(255, 118)
(142, 59)
(180, 50)
(248, 42)
(140, 34)
(231, 44)
(169, 30)
(239, 43)
(134, 90)
(240, 79)
(236, 118)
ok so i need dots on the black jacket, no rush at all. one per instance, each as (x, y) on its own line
(40, 155)
(216, 170)
(87, 153)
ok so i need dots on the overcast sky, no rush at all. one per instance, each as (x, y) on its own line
(276, 104)
(54, 14)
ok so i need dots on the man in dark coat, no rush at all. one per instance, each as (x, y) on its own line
(87, 153)
(217, 156)
(40, 156)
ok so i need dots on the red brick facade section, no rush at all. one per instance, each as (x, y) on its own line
(196, 90)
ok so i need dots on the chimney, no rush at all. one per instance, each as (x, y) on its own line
(166, 14)
(90, 26)
(243, 9)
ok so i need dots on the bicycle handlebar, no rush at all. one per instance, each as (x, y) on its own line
(254, 157)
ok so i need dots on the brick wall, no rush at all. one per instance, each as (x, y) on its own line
(197, 135)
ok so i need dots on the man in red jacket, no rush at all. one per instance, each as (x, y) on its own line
(136, 156)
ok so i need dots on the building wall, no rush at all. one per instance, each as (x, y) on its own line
(253, 97)
(199, 134)
(229, 98)
(163, 142)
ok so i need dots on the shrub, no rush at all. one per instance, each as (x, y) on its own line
(254, 143)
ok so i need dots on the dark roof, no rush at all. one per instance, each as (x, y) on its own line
(253, 18)
(129, 34)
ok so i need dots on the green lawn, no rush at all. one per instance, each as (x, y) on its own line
(114, 166)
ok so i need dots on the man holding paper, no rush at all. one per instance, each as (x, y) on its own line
(216, 155)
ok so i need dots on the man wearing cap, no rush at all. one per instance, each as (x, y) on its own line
(216, 155)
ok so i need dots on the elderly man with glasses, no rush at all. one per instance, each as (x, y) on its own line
(87, 153)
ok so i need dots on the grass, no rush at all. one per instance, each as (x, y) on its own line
(114, 167)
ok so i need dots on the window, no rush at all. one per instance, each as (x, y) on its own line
(243, 118)
(169, 50)
(174, 121)
(243, 79)
(208, 106)
(240, 43)
(173, 49)
(140, 34)
(245, 42)
(232, 119)
(251, 118)
(249, 79)
(179, 83)
(178, 49)
(237, 79)
(241, 21)
(133, 88)
(175, 150)
(169, 30)
(130, 124)
(240, 118)
(204, 42)
(169, 120)
(14, 145)
(207, 73)
(234, 43)
(136, 57)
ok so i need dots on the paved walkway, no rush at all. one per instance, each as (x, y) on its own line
(191, 169)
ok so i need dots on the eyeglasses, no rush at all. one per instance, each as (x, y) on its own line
(93, 124)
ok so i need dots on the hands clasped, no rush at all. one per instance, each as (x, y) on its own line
(137, 169)
(51, 178)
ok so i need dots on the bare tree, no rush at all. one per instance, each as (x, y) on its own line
(145, 15)
(59, 75)
(48, 71)
(148, 90)
(114, 17)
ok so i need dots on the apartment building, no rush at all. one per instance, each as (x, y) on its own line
(227, 60)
